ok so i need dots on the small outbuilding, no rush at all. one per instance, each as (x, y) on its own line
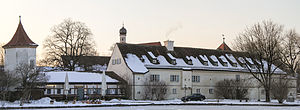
(82, 85)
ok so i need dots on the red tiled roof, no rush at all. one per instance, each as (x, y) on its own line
(151, 43)
(224, 46)
(20, 39)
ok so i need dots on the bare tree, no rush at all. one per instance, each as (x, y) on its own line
(155, 90)
(2, 54)
(7, 82)
(30, 79)
(280, 88)
(111, 48)
(291, 51)
(232, 89)
(262, 43)
(69, 38)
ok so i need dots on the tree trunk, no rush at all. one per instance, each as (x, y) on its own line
(268, 99)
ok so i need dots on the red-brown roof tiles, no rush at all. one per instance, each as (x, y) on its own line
(224, 46)
(20, 39)
(151, 43)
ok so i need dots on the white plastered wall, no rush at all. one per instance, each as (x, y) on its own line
(121, 69)
(208, 79)
(17, 56)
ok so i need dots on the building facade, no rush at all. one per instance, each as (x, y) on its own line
(185, 70)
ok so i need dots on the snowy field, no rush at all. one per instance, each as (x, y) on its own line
(175, 104)
(182, 107)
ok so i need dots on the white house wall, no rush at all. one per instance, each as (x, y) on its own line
(208, 79)
(121, 69)
(16, 56)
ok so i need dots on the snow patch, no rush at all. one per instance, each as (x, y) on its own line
(203, 57)
(242, 60)
(151, 54)
(188, 58)
(59, 77)
(171, 56)
(135, 64)
(230, 56)
(250, 61)
(223, 58)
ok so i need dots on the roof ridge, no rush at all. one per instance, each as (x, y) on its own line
(185, 47)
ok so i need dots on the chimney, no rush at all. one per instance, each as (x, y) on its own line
(169, 45)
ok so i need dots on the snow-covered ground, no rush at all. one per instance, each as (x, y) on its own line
(45, 102)
(177, 107)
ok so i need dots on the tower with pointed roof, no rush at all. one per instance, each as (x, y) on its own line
(123, 33)
(20, 50)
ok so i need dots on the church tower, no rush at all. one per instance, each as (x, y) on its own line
(20, 50)
(123, 33)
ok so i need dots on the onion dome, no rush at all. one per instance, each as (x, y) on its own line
(123, 31)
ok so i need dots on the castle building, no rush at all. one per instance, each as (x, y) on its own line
(20, 50)
(185, 70)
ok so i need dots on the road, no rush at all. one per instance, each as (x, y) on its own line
(183, 107)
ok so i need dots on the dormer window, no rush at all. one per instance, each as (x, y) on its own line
(214, 60)
(205, 63)
(234, 64)
(225, 64)
(252, 66)
(155, 61)
(215, 63)
(223, 61)
(174, 62)
(190, 62)
(142, 59)
(244, 65)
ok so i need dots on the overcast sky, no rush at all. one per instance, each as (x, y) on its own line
(190, 23)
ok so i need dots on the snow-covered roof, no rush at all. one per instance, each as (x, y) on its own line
(250, 60)
(151, 54)
(223, 58)
(77, 77)
(135, 64)
(138, 58)
(171, 56)
(214, 58)
(188, 57)
(242, 60)
(230, 56)
(203, 57)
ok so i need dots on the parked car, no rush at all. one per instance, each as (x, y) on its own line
(194, 97)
